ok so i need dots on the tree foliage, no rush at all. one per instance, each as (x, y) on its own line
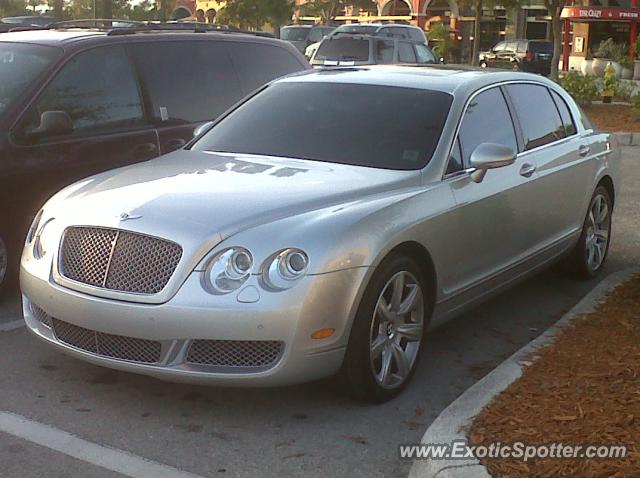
(252, 14)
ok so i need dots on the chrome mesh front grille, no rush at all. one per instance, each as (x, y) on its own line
(40, 314)
(118, 260)
(235, 353)
(108, 345)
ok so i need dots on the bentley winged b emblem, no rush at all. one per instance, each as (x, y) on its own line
(125, 216)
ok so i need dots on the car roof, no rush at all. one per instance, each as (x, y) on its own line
(73, 36)
(453, 79)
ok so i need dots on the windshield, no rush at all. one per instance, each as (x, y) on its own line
(336, 123)
(20, 65)
(343, 49)
(294, 33)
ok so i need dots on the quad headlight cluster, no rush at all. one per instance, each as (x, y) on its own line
(229, 269)
(40, 236)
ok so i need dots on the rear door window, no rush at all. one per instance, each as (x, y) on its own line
(475, 130)
(188, 82)
(565, 114)
(97, 89)
(425, 55)
(406, 54)
(543, 127)
(258, 64)
(384, 51)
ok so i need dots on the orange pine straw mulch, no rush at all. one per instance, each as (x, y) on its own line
(613, 118)
(584, 389)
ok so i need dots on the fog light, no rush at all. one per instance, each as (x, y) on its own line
(322, 333)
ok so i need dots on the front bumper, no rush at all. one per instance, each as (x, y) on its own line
(230, 327)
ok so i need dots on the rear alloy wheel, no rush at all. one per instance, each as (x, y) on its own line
(588, 258)
(388, 332)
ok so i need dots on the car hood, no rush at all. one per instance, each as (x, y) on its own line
(205, 194)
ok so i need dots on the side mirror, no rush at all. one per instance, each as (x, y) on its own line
(489, 156)
(52, 123)
(442, 61)
(202, 128)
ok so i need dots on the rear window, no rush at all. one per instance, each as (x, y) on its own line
(357, 28)
(336, 123)
(294, 33)
(343, 49)
(540, 47)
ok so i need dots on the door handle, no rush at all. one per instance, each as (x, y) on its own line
(175, 143)
(527, 170)
(583, 150)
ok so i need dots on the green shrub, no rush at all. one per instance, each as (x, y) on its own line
(583, 89)
(606, 49)
(635, 103)
(610, 82)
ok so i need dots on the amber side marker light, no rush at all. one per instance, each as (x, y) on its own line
(322, 333)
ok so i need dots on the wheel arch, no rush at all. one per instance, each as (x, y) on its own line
(607, 182)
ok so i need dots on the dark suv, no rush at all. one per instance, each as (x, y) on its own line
(77, 102)
(533, 56)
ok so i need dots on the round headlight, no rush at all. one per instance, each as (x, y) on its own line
(228, 270)
(286, 268)
(43, 240)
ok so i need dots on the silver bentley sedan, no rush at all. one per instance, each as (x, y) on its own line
(321, 226)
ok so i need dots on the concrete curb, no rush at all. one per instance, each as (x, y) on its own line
(628, 139)
(452, 424)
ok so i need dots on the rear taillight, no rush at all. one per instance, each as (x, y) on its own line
(529, 56)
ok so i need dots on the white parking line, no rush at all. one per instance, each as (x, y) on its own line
(109, 458)
(8, 326)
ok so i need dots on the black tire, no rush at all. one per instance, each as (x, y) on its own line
(578, 262)
(357, 375)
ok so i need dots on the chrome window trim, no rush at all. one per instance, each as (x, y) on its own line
(519, 154)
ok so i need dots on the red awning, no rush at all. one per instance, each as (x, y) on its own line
(611, 14)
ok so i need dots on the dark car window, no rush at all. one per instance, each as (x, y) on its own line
(565, 114)
(337, 123)
(97, 89)
(317, 34)
(486, 120)
(396, 32)
(20, 65)
(188, 82)
(384, 51)
(425, 55)
(541, 47)
(406, 54)
(356, 28)
(543, 127)
(257, 64)
(343, 49)
(294, 33)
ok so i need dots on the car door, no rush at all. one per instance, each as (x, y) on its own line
(187, 83)
(493, 232)
(106, 126)
(565, 168)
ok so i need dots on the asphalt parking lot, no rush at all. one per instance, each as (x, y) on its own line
(307, 430)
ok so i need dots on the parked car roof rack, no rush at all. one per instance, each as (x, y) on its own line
(95, 23)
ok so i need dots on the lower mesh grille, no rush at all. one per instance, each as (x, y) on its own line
(235, 353)
(40, 314)
(107, 345)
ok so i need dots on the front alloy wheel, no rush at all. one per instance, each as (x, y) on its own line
(396, 330)
(388, 331)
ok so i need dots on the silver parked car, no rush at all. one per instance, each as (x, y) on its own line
(321, 227)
